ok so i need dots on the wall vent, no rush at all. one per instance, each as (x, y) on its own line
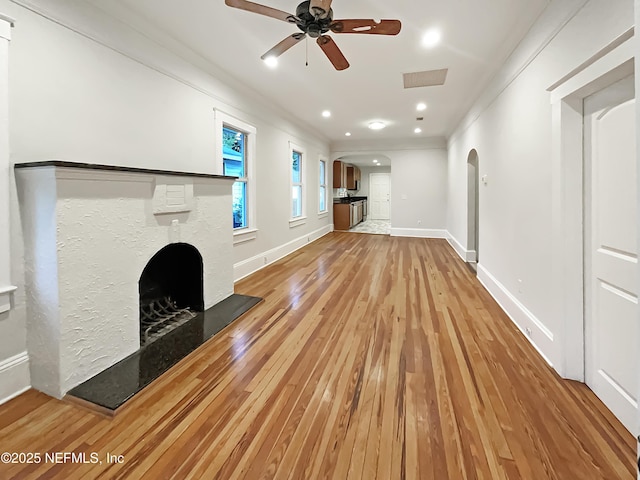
(428, 78)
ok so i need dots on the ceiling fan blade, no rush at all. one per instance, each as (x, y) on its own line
(284, 45)
(262, 10)
(320, 8)
(352, 25)
(332, 52)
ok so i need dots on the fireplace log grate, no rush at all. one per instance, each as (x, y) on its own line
(159, 317)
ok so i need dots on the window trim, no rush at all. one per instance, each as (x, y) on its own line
(300, 220)
(248, 232)
(325, 184)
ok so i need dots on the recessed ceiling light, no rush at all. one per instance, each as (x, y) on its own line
(377, 125)
(431, 38)
(326, 114)
(375, 161)
(417, 130)
(421, 106)
(271, 62)
(348, 134)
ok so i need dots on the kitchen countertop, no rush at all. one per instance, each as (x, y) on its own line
(348, 199)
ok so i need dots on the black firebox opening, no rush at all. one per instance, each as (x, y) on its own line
(171, 290)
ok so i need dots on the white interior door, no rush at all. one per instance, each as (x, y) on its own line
(379, 196)
(611, 291)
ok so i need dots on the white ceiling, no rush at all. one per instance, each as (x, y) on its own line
(367, 160)
(476, 39)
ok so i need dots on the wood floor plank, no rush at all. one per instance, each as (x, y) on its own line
(371, 357)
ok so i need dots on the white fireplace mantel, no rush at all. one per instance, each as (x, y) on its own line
(5, 255)
(89, 231)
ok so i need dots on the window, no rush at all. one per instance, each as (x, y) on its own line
(236, 142)
(296, 183)
(297, 167)
(234, 164)
(322, 202)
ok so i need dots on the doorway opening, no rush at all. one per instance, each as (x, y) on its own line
(473, 209)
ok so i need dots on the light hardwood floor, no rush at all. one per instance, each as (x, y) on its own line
(371, 358)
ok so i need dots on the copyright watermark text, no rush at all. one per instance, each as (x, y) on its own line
(60, 457)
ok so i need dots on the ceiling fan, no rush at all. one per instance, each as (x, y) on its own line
(315, 18)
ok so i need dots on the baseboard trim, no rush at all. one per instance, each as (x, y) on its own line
(539, 335)
(463, 253)
(14, 376)
(251, 265)
(418, 232)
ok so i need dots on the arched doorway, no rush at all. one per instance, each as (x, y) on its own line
(473, 208)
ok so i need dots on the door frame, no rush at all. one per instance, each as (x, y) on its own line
(371, 175)
(612, 64)
(473, 207)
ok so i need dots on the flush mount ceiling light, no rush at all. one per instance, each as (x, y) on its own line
(271, 62)
(377, 125)
(421, 106)
(417, 130)
(431, 38)
(326, 114)
(348, 134)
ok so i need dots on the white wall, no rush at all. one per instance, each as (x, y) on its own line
(100, 92)
(419, 192)
(512, 134)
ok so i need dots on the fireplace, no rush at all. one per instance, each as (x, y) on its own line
(104, 243)
(171, 291)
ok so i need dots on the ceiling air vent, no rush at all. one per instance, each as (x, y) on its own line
(429, 78)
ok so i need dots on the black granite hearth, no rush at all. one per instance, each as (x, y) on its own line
(120, 382)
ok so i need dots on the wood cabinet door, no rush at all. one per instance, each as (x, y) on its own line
(351, 179)
(338, 169)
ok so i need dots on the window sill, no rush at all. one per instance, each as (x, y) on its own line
(5, 298)
(323, 214)
(296, 222)
(244, 235)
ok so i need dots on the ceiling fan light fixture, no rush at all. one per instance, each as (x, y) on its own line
(271, 61)
(377, 125)
(431, 38)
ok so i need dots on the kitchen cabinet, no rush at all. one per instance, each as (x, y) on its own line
(341, 216)
(348, 215)
(339, 174)
(353, 177)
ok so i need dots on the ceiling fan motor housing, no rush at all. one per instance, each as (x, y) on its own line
(310, 24)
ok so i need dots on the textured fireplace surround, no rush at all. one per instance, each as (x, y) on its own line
(89, 232)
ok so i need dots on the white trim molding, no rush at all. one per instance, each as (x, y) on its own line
(14, 376)
(613, 63)
(5, 298)
(222, 120)
(5, 243)
(418, 232)
(466, 255)
(532, 328)
(251, 265)
(552, 20)
(244, 235)
(6, 23)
